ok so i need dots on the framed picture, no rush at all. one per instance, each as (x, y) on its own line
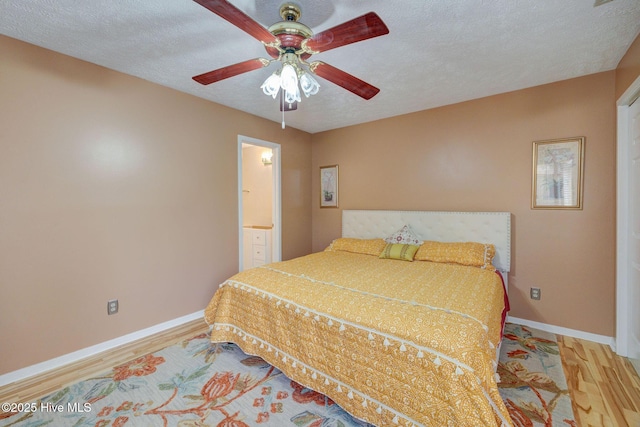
(558, 173)
(329, 186)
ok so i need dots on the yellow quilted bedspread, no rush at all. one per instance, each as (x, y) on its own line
(392, 342)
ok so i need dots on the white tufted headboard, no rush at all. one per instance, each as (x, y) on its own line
(483, 227)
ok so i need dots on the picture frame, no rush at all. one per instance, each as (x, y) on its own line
(558, 166)
(329, 186)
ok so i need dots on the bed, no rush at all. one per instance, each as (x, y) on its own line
(398, 321)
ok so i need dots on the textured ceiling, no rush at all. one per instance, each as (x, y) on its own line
(438, 52)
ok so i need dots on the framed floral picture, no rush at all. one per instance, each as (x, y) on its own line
(329, 186)
(558, 173)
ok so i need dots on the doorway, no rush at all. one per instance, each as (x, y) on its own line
(259, 202)
(628, 226)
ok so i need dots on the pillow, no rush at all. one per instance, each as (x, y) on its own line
(404, 236)
(465, 253)
(399, 251)
(358, 246)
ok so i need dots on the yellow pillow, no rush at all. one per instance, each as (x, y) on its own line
(465, 253)
(359, 246)
(399, 251)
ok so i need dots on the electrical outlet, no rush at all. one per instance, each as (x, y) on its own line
(112, 306)
(535, 293)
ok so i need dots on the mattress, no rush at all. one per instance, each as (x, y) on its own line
(392, 342)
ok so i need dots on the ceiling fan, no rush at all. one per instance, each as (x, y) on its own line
(293, 43)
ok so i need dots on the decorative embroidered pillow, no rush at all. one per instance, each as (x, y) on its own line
(404, 236)
(399, 251)
(465, 253)
(359, 246)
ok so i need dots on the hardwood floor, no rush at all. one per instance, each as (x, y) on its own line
(604, 387)
(39, 386)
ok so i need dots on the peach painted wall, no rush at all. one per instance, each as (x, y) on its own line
(477, 156)
(628, 68)
(113, 187)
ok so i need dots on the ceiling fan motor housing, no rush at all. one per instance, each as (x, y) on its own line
(290, 12)
(289, 32)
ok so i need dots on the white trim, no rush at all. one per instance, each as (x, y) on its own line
(75, 356)
(623, 315)
(240, 209)
(276, 243)
(631, 94)
(600, 339)
(623, 307)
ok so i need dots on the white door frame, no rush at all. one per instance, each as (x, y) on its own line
(276, 205)
(624, 306)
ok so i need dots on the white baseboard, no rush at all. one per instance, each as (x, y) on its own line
(66, 359)
(600, 339)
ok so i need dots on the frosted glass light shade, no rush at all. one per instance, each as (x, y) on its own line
(271, 86)
(292, 96)
(309, 85)
(289, 78)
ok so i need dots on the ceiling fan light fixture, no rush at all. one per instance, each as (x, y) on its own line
(292, 43)
(309, 85)
(289, 77)
(292, 96)
(271, 86)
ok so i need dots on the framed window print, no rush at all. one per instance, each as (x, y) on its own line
(329, 186)
(558, 173)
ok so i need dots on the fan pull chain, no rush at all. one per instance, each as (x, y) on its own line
(282, 99)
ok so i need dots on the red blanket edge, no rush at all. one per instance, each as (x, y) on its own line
(507, 307)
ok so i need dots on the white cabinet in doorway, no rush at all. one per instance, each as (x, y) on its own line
(257, 246)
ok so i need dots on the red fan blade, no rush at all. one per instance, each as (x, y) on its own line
(230, 13)
(346, 80)
(230, 71)
(358, 29)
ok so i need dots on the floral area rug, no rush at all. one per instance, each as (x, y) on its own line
(532, 382)
(199, 384)
(191, 384)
